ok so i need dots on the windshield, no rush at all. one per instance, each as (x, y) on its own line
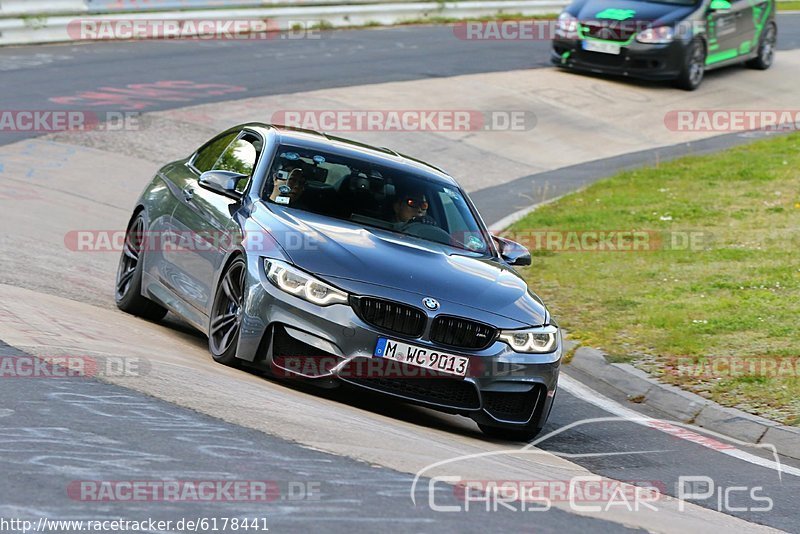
(373, 195)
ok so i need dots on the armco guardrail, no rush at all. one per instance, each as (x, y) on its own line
(115, 6)
(22, 8)
(63, 7)
(60, 28)
(110, 6)
(18, 8)
(48, 21)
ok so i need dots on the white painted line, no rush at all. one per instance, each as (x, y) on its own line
(678, 430)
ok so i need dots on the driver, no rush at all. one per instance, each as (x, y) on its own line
(288, 187)
(409, 205)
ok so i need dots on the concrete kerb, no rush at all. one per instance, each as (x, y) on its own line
(641, 388)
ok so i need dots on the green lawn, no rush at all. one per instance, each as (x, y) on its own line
(734, 294)
(789, 6)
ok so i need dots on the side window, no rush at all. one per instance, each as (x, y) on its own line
(209, 154)
(239, 157)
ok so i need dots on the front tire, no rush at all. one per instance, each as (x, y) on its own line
(694, 67)
(766, 49)
(226, 314)
(128, 291)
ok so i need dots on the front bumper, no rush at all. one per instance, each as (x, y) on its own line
(330, 345)
(637, 60)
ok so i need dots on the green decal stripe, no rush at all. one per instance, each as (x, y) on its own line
(721, 56)
(616, 14)
(745, 48)
(760, 23)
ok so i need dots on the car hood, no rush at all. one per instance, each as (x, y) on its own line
(340, 250)
(648, 12)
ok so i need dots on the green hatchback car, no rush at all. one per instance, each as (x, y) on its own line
(676, 40)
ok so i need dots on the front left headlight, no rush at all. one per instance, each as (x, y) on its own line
(657, 35)
(539, 340)
(292, 280)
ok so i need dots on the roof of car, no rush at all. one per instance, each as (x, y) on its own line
(348, 147)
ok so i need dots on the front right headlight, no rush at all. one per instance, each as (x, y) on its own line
(290, 279)
(567, 25)
(539, 340)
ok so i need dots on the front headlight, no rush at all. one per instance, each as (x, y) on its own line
(292, 280)
(567, 25)
(540, 340)
(658, 35)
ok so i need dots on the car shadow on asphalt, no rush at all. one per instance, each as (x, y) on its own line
(716, 74)
(352, 396)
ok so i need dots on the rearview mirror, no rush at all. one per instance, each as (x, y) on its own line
(720, 5)
(512, 252)
(222, 182)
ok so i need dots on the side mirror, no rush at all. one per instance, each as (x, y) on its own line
(720, 5)
(222, 182)
(512, 252)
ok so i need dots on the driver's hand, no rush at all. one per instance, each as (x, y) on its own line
(276, 188)
(423, 219)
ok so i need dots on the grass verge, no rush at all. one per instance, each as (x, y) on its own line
(788, 6)
(711, 300)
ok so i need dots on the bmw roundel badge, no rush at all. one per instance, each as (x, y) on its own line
(431, 303)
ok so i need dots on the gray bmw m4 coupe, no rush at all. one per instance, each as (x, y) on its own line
(329, 261)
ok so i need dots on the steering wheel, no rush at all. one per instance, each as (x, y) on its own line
(426, 227)
(421, 219)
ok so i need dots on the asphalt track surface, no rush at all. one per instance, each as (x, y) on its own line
(32, 76)
(45, 423)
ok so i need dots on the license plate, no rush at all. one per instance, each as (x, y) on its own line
(603, 48)
(422, 357)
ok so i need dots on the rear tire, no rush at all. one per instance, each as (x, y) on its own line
(694, 67)
(766, 49)
(509, 434)
(128, 290)
(226, 314)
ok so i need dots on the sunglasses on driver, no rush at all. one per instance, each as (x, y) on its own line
(417, 203)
